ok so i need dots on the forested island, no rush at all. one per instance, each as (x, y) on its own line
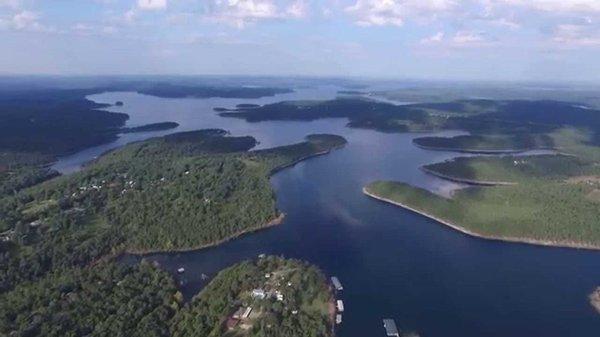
(487, 144)
(169, 90)
(504, 122)
(151, 127)
(549, 199)
(110, 299)
(60, 237)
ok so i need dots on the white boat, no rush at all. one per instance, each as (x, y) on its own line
(181, 270)
(336, 283)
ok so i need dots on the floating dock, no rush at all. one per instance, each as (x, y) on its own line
(390, 328)
(336, 283)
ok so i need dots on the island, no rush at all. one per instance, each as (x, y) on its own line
(547, 200)
(504, 123)
(175, 90)
(487, 144)
(151, 127)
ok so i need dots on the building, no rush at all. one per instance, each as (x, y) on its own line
(259, 293)
(247, 312)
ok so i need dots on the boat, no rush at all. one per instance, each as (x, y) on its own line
(340, 306)
(390, 328)
(338, 319)
(181, 270)
(336, 283)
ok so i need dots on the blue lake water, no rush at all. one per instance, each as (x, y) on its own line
(392, 263)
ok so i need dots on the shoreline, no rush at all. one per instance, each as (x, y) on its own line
(476, 151)
(466, 181)
(535, 242)
(301, 159)
(274, 222)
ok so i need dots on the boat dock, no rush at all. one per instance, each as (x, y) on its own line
(336, 283)
(390, 328)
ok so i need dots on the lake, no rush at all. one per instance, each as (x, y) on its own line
(392, 263)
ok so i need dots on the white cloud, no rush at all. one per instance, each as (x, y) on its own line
(555, 5)
(576, 35)
(130, 15)
(460, 39)
(240, 13)
(396, 12)
(10, 3)
(152, 4)
(435, 38)
(298, 9)
(24, 21)
(467, 37)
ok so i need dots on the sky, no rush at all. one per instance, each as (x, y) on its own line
(556, 40)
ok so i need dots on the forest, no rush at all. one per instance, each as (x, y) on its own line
(60, 237)
(204, 184)
(150, 127)
(494, 143)
(302, 311)
(552, 199)
(112, 299)
(492, 124)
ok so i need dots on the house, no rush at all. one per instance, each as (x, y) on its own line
(259, 293)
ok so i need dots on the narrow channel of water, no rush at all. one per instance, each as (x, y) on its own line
(392, 263)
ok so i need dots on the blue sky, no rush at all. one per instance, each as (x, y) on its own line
(432, 39)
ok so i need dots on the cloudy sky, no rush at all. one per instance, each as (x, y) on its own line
(435, 39)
